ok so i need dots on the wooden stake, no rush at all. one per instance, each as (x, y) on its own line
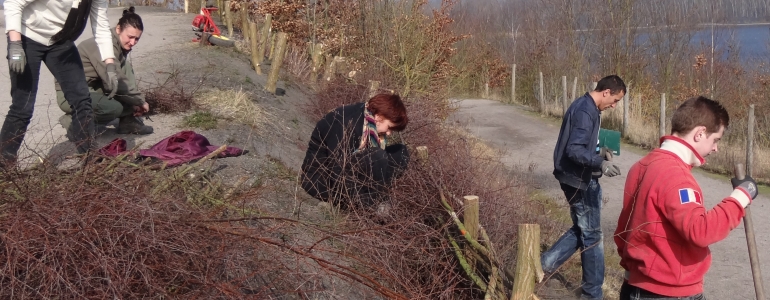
(245, 22)
(187, 6)
(574, 90)
(331, 69)
(528, 268)
(422, 155)
(263, 38)
(626, 97)
(254, 47)
(273, 41)
(374, 87)
(513, 84)
(275, 67)
(542, 98)
(662, 123)
(748, 224)
(471, 215)
(220, 11)
(564, 100)
(228, 19)
(317, 60)
(471, 222)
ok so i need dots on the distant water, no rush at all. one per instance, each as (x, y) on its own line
(752, 41)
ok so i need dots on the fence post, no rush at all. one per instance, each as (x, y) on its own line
(528, 268)
(542, 98)
(748, 224)
(513, 84)
(574, 90)
(229, 19)
(254, 47)
(662, 124)
(275, 66)
(316, 57)
(220, 13)
(626, 98)
(471, 220)
(471, 215)
(422, 155)
(331, 69)
(263, 38)
(186, 6)
(245, 22)
(593, 85)
(564, 100)
(374, 86)
(750, 142)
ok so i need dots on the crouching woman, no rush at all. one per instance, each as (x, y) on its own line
(348, 161)
(125, 102)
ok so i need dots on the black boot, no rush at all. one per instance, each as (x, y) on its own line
(133, 125)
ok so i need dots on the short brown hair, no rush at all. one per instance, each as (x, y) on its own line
(699, 111)
(390, 107)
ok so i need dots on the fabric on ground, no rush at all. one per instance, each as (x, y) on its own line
(179, 148)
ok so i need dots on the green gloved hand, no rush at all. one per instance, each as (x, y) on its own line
(111, 84)
(16, 58)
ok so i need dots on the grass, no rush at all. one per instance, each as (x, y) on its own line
(236, 105)
(202, 120)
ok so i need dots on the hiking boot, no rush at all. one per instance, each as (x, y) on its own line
(133, 125)
(66, 120)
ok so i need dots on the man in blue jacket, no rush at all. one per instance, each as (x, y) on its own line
(578, 164)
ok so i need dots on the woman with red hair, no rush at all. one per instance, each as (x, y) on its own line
(348, 160)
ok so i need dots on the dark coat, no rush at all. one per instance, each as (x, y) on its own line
(575, 157)
(332, 142)
(334, 170)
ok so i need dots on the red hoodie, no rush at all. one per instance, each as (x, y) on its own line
(664, 230)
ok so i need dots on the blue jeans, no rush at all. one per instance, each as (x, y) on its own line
(630, 292)
(585, 235)
(63, 60)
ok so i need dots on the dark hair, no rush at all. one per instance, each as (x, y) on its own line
(390, 107)
(699, 111)
(612, 83)
(130, 18)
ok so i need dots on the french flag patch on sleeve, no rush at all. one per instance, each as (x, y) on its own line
(690, 196)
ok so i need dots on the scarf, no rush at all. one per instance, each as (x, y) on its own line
(370, 138)
(75, 23)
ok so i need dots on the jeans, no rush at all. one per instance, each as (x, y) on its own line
(630, 292)
(63, 60)
(585, 235)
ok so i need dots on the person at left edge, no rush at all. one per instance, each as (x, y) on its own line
(44, 31)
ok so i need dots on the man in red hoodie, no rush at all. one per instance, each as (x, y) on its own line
(664, 230)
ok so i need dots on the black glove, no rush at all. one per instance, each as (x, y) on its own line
(111, 84)
(606, 153)
(16, 58)
(610, 169)
(746, 184)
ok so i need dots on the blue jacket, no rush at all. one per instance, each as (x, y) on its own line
(575, 156)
